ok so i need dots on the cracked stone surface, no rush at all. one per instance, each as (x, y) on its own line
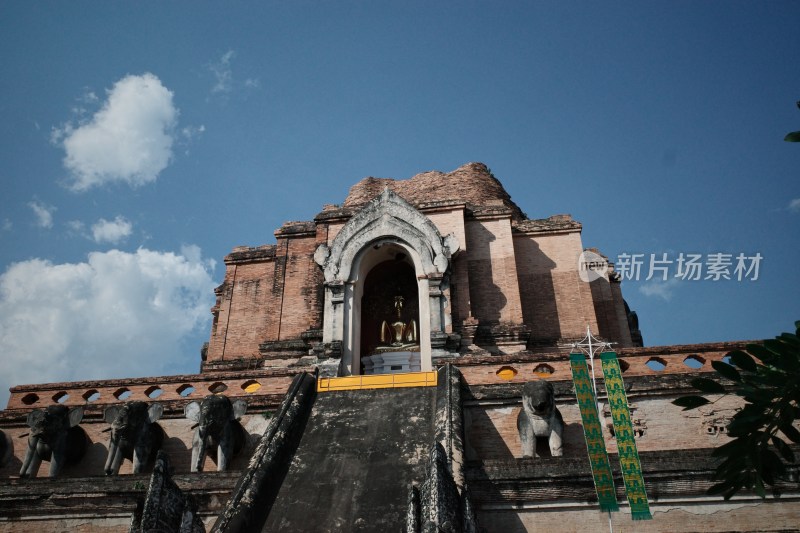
(360, 452)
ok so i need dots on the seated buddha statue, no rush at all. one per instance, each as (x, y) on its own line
(398, 335)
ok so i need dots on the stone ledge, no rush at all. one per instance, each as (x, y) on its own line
(667, 474)
(100, 496)
(172, 389)
(296, 229)
(552, 224)
(553, 353)
(246, 254)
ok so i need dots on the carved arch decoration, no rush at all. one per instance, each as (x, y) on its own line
(387, 219)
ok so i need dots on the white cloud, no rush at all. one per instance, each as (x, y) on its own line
(190, 132)
(128, 140)
(75, 226)
(44, 214)
(659, 288)
(112, 231)
(794, 205)
(89, 96)
(116, 315)
(7, 225)
(222, 73)
(252, 83)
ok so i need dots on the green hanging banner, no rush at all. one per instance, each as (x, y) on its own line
(595, 444)
(626, 445)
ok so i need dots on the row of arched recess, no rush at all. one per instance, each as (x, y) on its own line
(655, 364)
(543, 370)
(153, 392)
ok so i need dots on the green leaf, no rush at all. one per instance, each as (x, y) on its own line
(790, 338)
(728, 495)
(743, 425)
(770, 377)
(760, 351)
(779, 346)
(786, 415)
(733, 447)
(743, 360)
(726, 371)
(771, 466)
(756, 458)
(784, 449)
(719, 488)
(690, 402)
(791, 433)
(788, 356)
(708, 385)
(759, 489)
(756, 395)
(793, 137)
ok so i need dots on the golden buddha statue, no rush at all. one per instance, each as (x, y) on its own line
(398, 335)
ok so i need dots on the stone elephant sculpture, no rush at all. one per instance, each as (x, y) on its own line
(135, 435)
(55, 437)
(217, 427)
(539, 418)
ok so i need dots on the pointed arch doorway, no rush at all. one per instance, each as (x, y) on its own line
(381, 269)
(383, 228)
(390, 337)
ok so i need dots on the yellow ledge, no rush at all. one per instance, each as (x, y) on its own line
(378, 381)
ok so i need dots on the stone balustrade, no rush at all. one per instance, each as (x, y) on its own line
(257, 383)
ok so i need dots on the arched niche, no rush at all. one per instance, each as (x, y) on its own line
(390, 304)
(390, 224)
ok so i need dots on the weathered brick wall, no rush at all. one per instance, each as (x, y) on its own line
(604, 310)
(269, 296)
(251, 301)
(689, 515)
(451, 221)
(622, 316)
(495, 385)
(220, 313)
(492, 429)
(493, 283)
(510, 271)
(101, 503)
(556, 304)
(459, 289)
(301, 302)
(472, 183)
(612, 320)
(333, 230)
(77, 525)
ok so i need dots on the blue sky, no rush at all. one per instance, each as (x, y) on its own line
(140, 142)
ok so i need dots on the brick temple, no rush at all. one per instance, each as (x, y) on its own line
(380, 351)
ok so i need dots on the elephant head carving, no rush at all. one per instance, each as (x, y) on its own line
(134, 434)
(217, 427)
(540, 418)
(55, 437)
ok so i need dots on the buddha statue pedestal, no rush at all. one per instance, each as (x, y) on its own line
(388, 362)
